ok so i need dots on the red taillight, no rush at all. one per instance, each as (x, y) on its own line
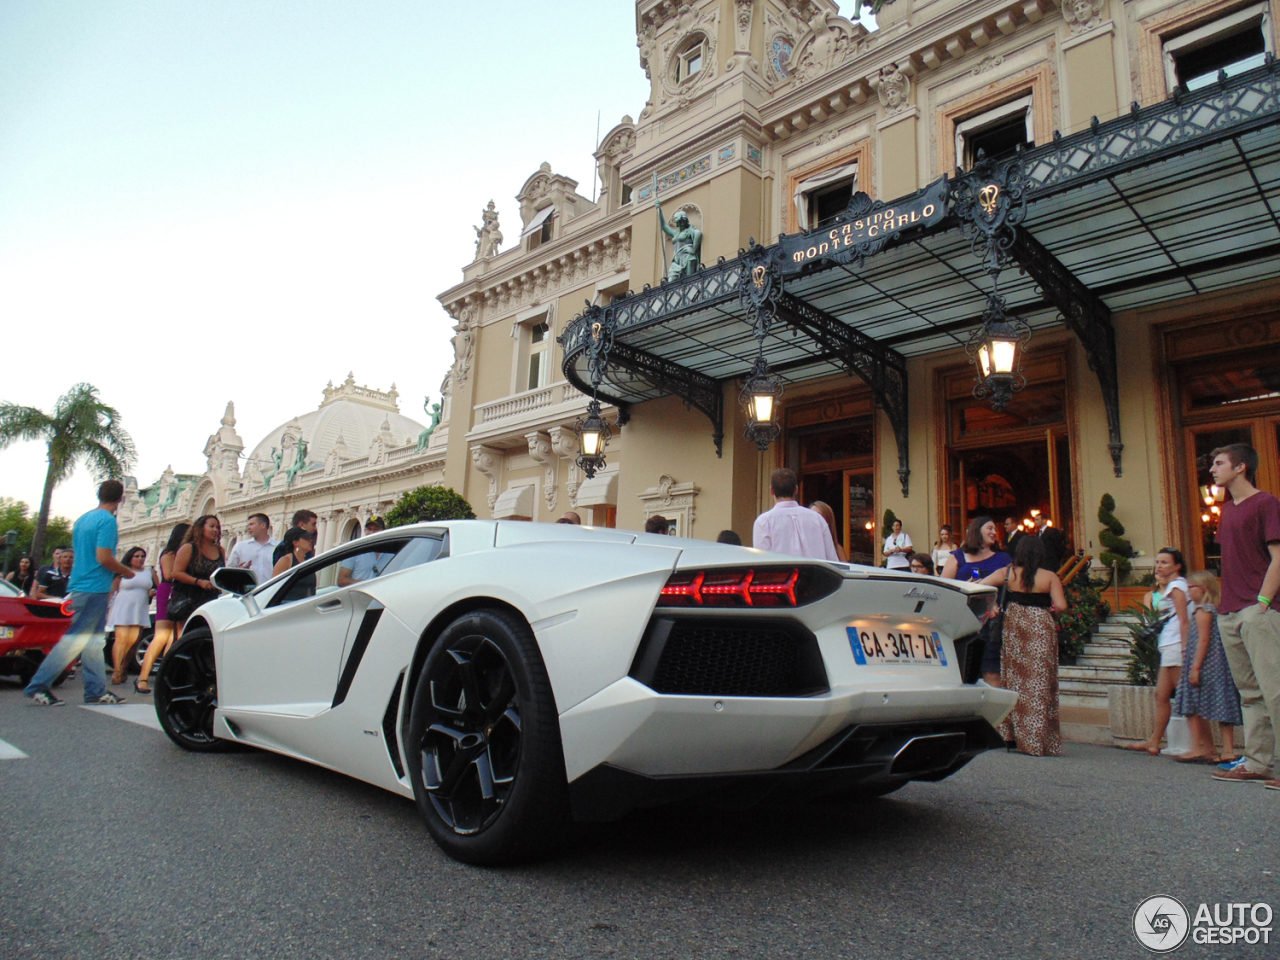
(683, 589)
(770, 587)
(66, 608)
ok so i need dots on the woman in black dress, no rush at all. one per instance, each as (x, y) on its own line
(200, 555)
(24, 578)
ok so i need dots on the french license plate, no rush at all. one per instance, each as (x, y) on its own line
(6, 633)
(875, 645)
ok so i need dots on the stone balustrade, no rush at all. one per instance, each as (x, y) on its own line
(521, 403)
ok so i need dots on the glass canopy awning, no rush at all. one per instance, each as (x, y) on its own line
(1172, 200)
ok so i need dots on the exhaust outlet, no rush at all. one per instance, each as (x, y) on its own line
(926, 754)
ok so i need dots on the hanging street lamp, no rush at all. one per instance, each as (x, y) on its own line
(760, 395)
(593, 436)
(996, 349)
(593, 429)
(759, 291)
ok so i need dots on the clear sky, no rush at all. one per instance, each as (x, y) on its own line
(241, 200)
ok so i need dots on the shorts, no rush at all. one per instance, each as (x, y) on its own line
(1171, 655)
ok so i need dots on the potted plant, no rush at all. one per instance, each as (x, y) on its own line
(1085, 607)
(1131, 708)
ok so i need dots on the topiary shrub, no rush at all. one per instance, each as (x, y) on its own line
(1117, 550)
(887, 527)
(429, 504)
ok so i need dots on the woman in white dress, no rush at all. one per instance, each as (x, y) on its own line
(1170, 600)
(943, 549)
(896, 548)
(130, 610)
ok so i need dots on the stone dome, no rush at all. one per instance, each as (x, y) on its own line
(354, 413)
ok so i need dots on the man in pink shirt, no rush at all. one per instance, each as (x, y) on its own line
(790, 528)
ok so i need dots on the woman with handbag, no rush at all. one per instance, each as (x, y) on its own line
(978, 561)
(1029, 660)
(200, 555)
(896, 547)
(165, 627)
(1170, 600)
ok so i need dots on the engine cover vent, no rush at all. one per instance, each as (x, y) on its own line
(730, 657)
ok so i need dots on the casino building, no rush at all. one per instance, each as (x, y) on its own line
(1084, 193)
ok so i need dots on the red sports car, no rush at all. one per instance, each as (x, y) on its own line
(29, 629)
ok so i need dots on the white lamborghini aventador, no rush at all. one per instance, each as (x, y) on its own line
(511, 677)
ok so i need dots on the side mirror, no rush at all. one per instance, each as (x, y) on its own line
(234, 580)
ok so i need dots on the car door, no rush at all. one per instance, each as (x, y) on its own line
(286, 659)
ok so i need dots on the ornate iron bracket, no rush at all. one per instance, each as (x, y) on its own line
(882, 369)
(760, 286)
(990, 201)
(695, 389)
(1087, 317)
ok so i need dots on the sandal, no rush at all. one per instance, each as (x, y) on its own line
(1204, 758)
(145, 691)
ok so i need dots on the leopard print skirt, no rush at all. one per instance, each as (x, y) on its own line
(1029, 667)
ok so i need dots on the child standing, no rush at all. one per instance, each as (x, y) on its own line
(1206, 690)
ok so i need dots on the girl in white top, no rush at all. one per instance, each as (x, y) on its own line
(1170, 601)
(896, 548)
(130, 610)
(944, 548)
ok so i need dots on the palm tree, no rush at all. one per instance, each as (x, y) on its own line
(81, 428)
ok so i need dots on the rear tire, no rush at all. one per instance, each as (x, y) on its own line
(186, 694)
(483, 744)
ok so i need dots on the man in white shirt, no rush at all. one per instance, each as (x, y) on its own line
(365, 566)
(255, 553)
(790, 528)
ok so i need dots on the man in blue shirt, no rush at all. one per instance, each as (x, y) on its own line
(94, 538)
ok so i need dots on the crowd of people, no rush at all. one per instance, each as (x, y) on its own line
(114, 596)
(1218, 640)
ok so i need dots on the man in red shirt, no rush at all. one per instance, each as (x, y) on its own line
(1249, 534)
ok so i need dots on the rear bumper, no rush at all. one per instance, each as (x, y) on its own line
(869, 755)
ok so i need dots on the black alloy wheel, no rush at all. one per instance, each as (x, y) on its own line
(186, 693)
(484, 742)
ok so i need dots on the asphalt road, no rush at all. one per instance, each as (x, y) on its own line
(118, 844)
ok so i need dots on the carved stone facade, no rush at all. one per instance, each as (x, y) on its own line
(347, 460)
(749, 101)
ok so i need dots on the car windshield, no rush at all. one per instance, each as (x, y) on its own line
(7, 589)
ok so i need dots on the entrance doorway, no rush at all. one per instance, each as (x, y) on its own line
(1011, 463)
(1233, 399)
(830, 444)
